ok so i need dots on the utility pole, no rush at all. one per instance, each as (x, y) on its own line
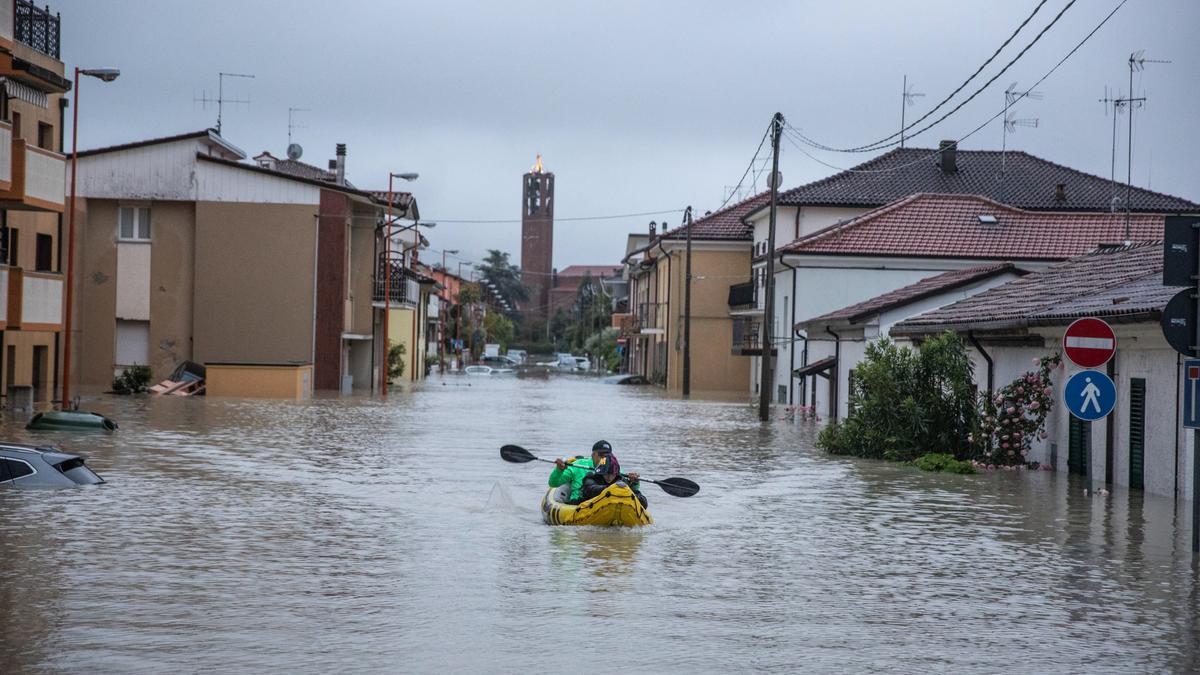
(687, 308)
(765, 379)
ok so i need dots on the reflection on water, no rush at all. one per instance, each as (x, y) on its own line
(363, 535)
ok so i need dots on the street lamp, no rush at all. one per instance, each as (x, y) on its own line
(387, 279)
(442, 314)
(104, 75)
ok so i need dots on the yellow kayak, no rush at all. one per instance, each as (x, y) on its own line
(617, 506)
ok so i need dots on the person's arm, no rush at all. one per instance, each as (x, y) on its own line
(560, 474)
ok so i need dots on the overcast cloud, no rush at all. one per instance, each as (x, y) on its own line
(635, 106)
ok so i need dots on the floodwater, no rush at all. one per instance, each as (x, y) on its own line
(354, 535)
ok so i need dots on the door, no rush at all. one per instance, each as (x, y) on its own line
(41, 363)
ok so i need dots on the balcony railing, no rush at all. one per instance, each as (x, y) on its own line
(38, 179)
(36, 27)
(743, 296)
(30, 300)
(402, 287)
(651, 317)
(747, 336)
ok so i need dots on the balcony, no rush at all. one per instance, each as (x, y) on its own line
(745, 298)
(39, 179)
(30, 300)
(747, 336)
(402, 289)
(651, 318)
(624, 323)
(36, 27)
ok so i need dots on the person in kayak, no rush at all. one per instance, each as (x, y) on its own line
(605, 471)
(573, 471)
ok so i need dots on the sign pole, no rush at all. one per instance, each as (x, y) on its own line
(1196, 432)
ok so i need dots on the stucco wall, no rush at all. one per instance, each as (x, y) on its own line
(713, 367)
(254, 282)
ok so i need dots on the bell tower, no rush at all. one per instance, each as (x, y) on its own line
(537, 237)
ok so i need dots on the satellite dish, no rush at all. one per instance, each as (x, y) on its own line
(294, 151)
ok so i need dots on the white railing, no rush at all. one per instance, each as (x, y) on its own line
(6, 148)
(45, 176)
(6, 22)
(42, 302)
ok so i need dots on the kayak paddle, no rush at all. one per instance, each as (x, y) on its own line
(676, 487)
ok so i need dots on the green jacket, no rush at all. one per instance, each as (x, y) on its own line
(576, 470)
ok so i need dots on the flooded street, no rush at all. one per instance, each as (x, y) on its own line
(354, 535)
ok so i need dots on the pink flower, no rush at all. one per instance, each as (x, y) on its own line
(1004, 445)
(1035, 405)
(1048, 391)
(1020, 391)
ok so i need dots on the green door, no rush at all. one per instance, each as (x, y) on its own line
(1079, 446)
(1137, 432)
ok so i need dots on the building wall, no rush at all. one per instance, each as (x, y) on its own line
(255, 282)
(713, 367)
(333, 285)
(537, 238)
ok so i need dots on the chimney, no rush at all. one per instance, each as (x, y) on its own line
(653, 232)
(1060, 192)
(341, 164)
(947, 160)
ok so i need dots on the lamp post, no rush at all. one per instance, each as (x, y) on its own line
(442, 314)
(387, 280)
(104, 75)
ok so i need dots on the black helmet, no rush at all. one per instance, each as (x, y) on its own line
(602, 448)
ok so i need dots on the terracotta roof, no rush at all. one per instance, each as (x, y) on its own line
(595, 270)
(399, 199)
(1122, 281)
(1029, 182)
(948, 226)
(726, 223)
(924, 288)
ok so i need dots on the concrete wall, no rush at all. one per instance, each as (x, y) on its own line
(254, 282)
(260, 381)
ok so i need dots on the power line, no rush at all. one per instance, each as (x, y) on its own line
(879, 145)
(562, 220)
(748, 169)
(986, 122)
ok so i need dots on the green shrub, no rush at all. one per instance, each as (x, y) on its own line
(396, 361)
(132, 380)
(904, 402)
(940, 461)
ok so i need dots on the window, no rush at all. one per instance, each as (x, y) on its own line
(134, 223)
(1137, 433)
(12, 469)
(16, 122)
(45, 253)
(45, 139)
(1079, 445)
(14, 245)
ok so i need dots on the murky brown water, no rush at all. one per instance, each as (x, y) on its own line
(363, 536)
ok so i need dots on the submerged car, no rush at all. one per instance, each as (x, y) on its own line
(626, 378)
(43, 466)
(478, 370)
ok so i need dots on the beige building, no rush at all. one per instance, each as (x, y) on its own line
(32, 188)
(653, 327)
(186, 252)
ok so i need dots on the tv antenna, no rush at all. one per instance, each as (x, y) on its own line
(294, 148)
(1011, 122)
(1137, 62)
(906, 99)
(220, 100)
(1119, 105)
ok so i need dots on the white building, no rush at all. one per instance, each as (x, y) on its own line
(1142, 444)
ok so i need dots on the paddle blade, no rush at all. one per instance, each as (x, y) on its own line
(516, 454)
(678, 487)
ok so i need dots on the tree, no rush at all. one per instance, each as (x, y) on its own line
(497, 270)
(591, 313)
(499, 328)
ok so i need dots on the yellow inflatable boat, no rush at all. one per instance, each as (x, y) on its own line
(617, 506)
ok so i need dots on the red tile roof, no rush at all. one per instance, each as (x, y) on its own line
(924, 288)
(1029, 183)
(725, 223)
(948, 226)
(596, 271)
(1121, 281)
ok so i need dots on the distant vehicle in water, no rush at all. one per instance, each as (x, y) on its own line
(478, 370)
(583, 363)
(491, 349)
(519, 356)
(498, 361)
(43, 466)
(566, 361)
(626, 378)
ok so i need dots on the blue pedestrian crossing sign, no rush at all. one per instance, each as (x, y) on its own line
(1191, 393)
(1090, 395)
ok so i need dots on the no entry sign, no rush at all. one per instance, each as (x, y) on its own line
(1089, 342)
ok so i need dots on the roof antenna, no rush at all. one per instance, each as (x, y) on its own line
(1011, 122)
(1137, 61)
(906, 99)
(220, 100)
(294, 148)
(1119, 105)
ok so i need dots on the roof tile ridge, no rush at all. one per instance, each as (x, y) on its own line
(1100, 178)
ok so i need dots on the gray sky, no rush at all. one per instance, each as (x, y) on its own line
(635, 106)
